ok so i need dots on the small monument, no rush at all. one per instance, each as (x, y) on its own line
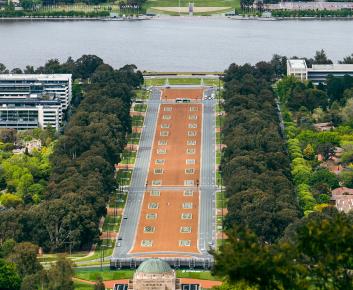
(191, 9)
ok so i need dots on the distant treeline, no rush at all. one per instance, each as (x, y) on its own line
(41, 13)
(312, 13)
(82, 177)
(255, 165)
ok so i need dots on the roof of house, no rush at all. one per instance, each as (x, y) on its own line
(342, 191)
(344, 202)
(323, 126)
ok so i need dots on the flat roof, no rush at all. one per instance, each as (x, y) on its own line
(35, 76)
(297, 63)
(332, 67)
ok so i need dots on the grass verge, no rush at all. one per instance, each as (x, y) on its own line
(219, 108)
(140, 108)
(219, 197)
(128, 157)
(111, 223)
(155, 82)
(142, 94)
(219, 121)
(197, 3)
(108, 250)
(212, 82)
(137, 121)
(134, 138)
(218, 157)
(106, 274)
(185, 81)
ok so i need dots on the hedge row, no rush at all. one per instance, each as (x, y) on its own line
(301, 171)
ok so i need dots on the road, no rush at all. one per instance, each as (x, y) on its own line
(207, 220)
(137, 187)
(207, 227)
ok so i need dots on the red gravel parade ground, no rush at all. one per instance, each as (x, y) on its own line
(169, 217)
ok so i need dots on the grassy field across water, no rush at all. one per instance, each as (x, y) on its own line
(197, 3)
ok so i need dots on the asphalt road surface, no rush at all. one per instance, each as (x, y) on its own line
(128, 226)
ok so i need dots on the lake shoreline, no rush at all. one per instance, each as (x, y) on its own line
(256, 18)
(67, 18)
(142, 18)
(170, 43)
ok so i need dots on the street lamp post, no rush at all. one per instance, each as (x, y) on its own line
(116, 208)
(102, 254)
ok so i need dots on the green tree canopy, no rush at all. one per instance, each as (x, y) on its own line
(323, 176)
(321, 58)
(60, 275)
(315, 253)
(9, 278)
(24, 255)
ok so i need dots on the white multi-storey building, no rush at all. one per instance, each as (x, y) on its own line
(318, 73)
(22, 114)
(29, 101)
(37, 85)
(297, 68)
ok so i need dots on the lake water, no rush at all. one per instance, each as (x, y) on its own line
(172, 44)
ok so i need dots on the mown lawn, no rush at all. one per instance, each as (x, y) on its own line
(137, 121)
(219, 108)
(124, 176)
(54, 257)
(107, 274)
(219, 121)
(111, 223)
(142, 94)
(218, 157)
(197, 3)
(128, 157)
(212, 82)
(185, 81)
(202, 275)
(218, 178)
(219, 196)
(97, 254)
(218, 138)
(155, 82)
(134, 138)
(140, 108)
